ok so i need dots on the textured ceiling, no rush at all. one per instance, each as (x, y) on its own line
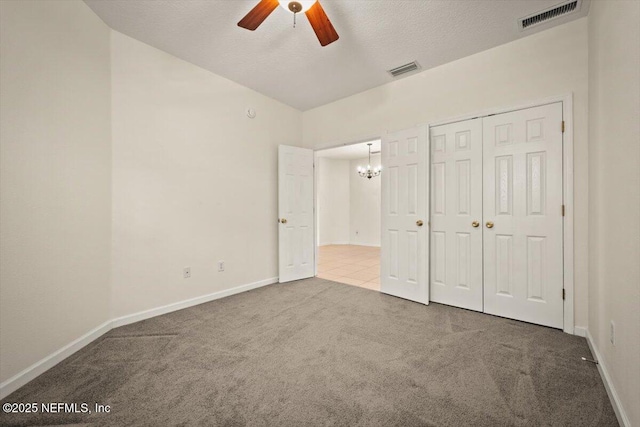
(288, 64)
(351, 152)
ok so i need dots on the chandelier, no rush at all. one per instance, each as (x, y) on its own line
(368, 172)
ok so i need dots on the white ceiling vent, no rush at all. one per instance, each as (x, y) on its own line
(554, 12)
(403, 69)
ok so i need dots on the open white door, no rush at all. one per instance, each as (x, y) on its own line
(295, 210)
(405, 191)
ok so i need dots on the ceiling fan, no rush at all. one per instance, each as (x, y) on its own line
(315, 13)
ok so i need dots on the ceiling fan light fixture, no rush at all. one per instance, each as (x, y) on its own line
(297, 6)
(316, 15)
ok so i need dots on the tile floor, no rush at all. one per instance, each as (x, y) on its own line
(350, 264)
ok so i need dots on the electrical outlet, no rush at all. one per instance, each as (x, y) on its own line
(186, 272)
(612, 333)
(220, 265)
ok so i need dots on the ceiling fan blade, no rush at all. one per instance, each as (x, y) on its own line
(258, 14)
(321, 25)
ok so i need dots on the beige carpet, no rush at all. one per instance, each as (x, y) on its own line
(318, 353)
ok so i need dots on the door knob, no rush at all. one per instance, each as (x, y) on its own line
(489, 224)
(419, 223)
(475, 224)
(283, 220)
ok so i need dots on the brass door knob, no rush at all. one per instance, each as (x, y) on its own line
(419, 223)
(283, 220)
(489, 224)
(475, 224)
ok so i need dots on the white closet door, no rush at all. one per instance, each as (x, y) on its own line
(523, 259)
(405, 187)
(295, 208)
(456, 214)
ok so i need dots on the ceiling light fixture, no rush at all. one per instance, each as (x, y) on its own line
(296, 7)
(368, 172)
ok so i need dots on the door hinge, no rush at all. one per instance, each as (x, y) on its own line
(563, 126)
(562, 210)
(564, 294)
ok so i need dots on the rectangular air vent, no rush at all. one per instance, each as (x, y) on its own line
(549, 14)
(403, 69)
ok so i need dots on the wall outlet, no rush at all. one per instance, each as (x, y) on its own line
(186, 272)
(220, 265)
(612, 333)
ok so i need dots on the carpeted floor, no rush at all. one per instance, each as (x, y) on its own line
(319, 353)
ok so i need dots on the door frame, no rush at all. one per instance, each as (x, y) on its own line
(567, 190)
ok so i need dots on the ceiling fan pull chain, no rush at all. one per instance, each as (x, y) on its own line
(294, 19)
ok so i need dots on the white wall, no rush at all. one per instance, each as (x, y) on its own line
(364, 218)
(55, 157)
(614, 196)
(333, 201)
(348, 205)
(550, 63)
(194, 179)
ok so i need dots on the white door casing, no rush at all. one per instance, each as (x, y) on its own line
(405, 188)
(456, 214)
(522, 199)
(295, 213)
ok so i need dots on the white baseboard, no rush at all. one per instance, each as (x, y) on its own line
(623, 419)
(349, 243)
(580, 331)
(334, 243)
(38, 368)
(364, 244)
(146, 314)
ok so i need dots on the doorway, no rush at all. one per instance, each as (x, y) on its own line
(348, 214)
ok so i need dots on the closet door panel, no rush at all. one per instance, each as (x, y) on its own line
(456, 204)
(523, 246)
